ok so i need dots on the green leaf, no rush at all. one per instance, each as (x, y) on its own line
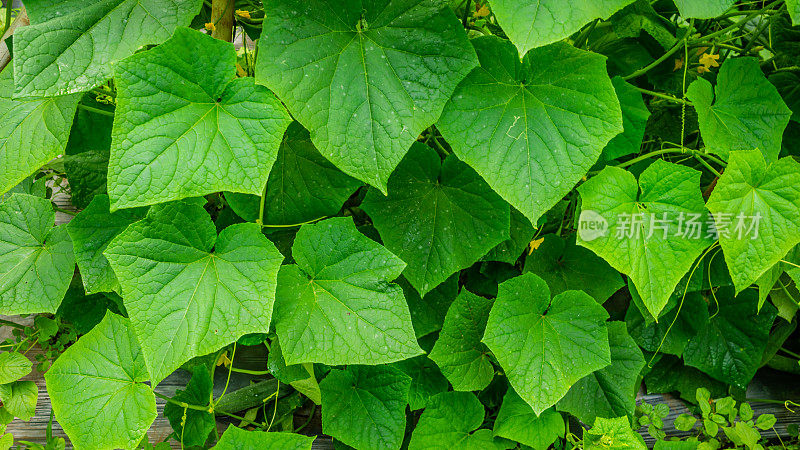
(534, 23)
(36, 259)
(610, 391)
(517, 421)
(613, 433)
(532, 128)
(302, 185)
(198, 424)
(98, 388)
(669, 335)
(365, 78)
(88, 148)
(702, 9)
(743, 112)
(521, 234)
(647, 233)
(185, 127)
(184, 299)
(439, 217)
(428, 312)
(72, 46)
(788, 85)
(13, 366)
(237, 439)
(32, 130)
(91, 231)
(634, 119)
(426, 380)
(84, 312)
(752, 193)
(450, 421)
(565, 266)
(337, 304)
(459, 352)
(638, 17)
(794, 11)
(670, 375)
(729, 348)
(546, 345)
(365, 406)
(20, 398)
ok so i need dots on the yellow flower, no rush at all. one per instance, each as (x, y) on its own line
(243, 13)
(708, 61)
(210, 26)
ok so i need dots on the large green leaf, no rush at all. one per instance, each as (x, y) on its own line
(426, 380)
(669, 374)
(634, 119)
(192, 427)
(238, 439)
(428, 311)
(72, 46)
(450, 421)
(439, 217)
(186, 127)
(546, 345)
(13, 366)
(533, 23)
(91, 231)
(517, 421)
(32, 131)
(610, 391)
(88, 148)
(302, 185)
(788, 85)
(758, 205)
(702, 9)
(337, 305)
(565, 266)
(511, 249)
(646, 233)
(459, 352)
(365, 406)
(743, 112)
(36, 259)
(794, 11)
(669, 335)
(184, 299)
(532, 128)
(98, 388)
(729, 348)
(366, 78)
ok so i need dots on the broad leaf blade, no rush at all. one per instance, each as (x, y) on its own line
(702, 9)
(184, 299)
(349, 72)
(238, 439)
(337, 305)
(13, 366)
(184, 127)
(439, 217)
(98, 391)
(546, 345)
(634, 120)
(72, 46)
(517, 421)
(532, 128)
(36, 259)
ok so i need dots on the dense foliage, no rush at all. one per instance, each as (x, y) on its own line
(449, 224)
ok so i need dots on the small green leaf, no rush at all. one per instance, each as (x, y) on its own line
(439, 217)
(545, 345)
(184, 299)
(367, 79)
(511, 249)
(98, 391)
(198, 424)
(758, 204)
(729, 348)
(459, 352)
(533, 23)
(426, 380)
(517, 421)
(634, 119)
(702, 9)
(364, 406)
(428, 312)
(610, 391)
(615, 433)
(565, 266)
(185, 127)
(302, 185)
(237, 439)
(36, 259)
(766, 421)
(13, 366)
(91, 231)
(646, 226)
(19, 399)
(532, 128)
(450, 421)
(337, 305)
(685, 422)
(743, 112)
(72, 46)
(32, 130)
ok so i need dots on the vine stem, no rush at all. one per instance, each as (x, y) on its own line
(12, 324)
(250, 372)
(678, 45)
(183, 404)
(95, 110)
(790, 353)
(664, 96)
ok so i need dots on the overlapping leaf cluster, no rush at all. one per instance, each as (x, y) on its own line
(421, 208)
